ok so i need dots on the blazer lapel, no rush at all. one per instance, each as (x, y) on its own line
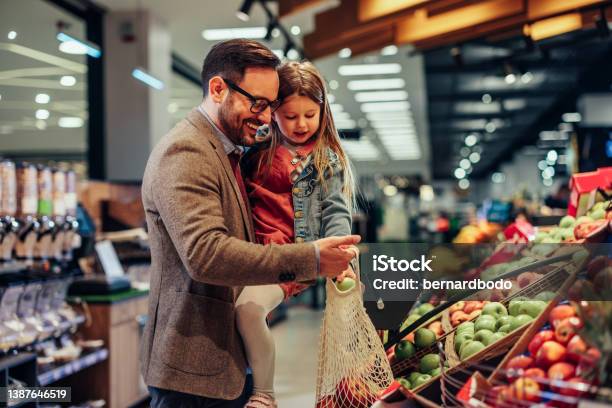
(200, 122)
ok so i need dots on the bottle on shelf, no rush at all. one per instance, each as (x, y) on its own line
(42, 249)
(27, 208)
(8, 208)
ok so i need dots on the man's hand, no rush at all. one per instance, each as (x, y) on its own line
(334, 256)
(348, 272)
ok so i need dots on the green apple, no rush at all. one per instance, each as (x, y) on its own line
(404, 382)
(485, 322)
(346, 284)
(514, 305)
(483, 336)
(494, 309)
(424, 338)
(567, 221)
(409, 320)
(429, 362)
(602, 205)
(532, 308)
(545, 296)
(504, 320)
(540, 236)
(496, 336)
(424, 308)
(465, 327)
(598, 214)
(462, 338)
(520, 320)
(583, 219)
(505, 329)
(413, 376)
(422, 379)
(471, 348)
(435, 372)
(404, 350)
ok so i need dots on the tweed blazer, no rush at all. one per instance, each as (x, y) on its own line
(202, 255)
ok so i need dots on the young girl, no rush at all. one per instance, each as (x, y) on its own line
(301, 189)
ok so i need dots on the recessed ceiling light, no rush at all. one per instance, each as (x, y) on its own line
(12, 35)
(459, 173)
(331, 98)
(42, 98)
(390, 190)
(465, 151)
(510, 79)
(41, 124)
(464, 184)
(571, 117)
(333, 84)
(295, 30)
(345, 53)
(336, 107)
(490, 127)
(67, 80)
(393, 124)
(42, 114)
(486, 98)
(385, 106)
(70, 122)
(73, 47)
(498, 177)
(146, 78)
(547, 182)
(381, 96)
(339, 115)
(369, 69)
(389, 50)
(389, 116)
(361, 150)
(527, 77)
(173, 107)
(474, 157)
(552, 156)
(471, 140)
(292, 54)
(345, 124)
(230, 33)
(465, 164)
(373, 84)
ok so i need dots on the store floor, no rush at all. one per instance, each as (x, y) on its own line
(297, 340)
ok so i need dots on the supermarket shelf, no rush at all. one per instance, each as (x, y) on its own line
(56, 373)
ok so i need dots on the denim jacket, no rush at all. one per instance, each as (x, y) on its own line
(320, 211)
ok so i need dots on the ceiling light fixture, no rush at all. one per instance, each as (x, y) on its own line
(74, 45)
(459, 173)
(369, 69)
(345, 53)
(389, 50)
(218, 34)
(70, 122)
(375, 84)
(296, 30)
(42, 114)
(42, 98)
(12, 35)
(148, 79)
(67, 80)
(471, 140)
(381, 96)
(571, 117)
(486, 98)
(397, 106)
(464, 184)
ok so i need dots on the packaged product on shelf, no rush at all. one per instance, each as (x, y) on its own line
(45, 191)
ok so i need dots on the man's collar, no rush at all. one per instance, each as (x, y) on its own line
(228, 145)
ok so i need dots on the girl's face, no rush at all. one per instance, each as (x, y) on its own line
(298, 118)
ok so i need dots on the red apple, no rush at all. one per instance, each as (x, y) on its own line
(459, 317)
(550, 353)
(517, 365)
(561, 371)
(587, 367)
(436, 327)
(471, 305)
(559, 313)
(564, 331)
(525, 389)
(326, 402)
(493, 395)
(595, 265)
(475, 314)
(526, 278)
(535, 373)
(456, 307)
(576, 348)
(539, 339)
(352, 392)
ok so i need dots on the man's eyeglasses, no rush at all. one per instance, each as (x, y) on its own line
(258, 105)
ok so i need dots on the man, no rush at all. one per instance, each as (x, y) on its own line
(201, 235)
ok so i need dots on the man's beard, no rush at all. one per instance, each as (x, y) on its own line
(232, 125)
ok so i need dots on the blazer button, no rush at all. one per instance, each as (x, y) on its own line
(299, 214)
(299, 240)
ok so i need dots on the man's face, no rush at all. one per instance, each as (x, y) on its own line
(235, 116)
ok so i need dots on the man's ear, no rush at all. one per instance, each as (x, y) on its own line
(216, 89)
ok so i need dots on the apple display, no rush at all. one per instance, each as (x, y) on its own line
(504, 320)
(526, 389)
(421, 379)
(484, 336)
(461, 338)
(576, 348)
(532, 308)
(465, 326)
(520, 321)
(539, 339)
(514, 305)
(559, 313)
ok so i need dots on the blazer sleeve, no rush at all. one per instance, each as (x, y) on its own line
(187, 196)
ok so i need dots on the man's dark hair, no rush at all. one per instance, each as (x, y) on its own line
(231, 58)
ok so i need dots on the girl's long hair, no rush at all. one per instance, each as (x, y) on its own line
(302, 78)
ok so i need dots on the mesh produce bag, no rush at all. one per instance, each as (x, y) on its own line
(353, 366)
